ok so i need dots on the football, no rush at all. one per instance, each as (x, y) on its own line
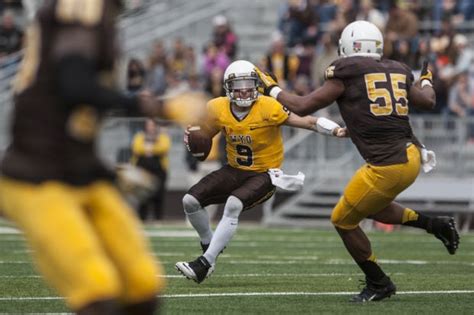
(199, 143)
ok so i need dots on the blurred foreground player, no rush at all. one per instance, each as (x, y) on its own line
(86, 241)
(374, 96)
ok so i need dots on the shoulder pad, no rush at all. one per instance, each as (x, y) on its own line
(83, 12)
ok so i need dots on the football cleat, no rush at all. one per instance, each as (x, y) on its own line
(196, 270)
(444, 229)
(375, 291)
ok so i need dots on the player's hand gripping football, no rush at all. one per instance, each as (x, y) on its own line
(426, 74)
(268, 82)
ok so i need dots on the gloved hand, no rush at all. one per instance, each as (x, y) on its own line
(426, 74)
(268, 83)
(428, 160)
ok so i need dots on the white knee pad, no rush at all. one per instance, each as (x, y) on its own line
(190, 204)
(233, 207)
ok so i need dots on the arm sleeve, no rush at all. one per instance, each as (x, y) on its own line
(78, 84)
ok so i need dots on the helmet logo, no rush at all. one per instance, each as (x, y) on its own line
(357, 46)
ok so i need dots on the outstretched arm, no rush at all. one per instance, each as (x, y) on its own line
(303, 105)
(318, 124)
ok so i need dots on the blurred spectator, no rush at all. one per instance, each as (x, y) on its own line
(11, 4)
(467, 8)
(223, 36)
(295, 21)
(402, 52)
(158, 68)
(214, 86)
(150, 151)
(280, 62)
(324, 12)
(191, 62)
(447, 9)
(214, 58)
(302, 85)
(456, 60)
(305, 53)
(463, 54)
(345, 14)
(460, 97)
(181, 62)
(326, 54)
(368, 12)
(136, 75)
(402, 24)
(11, 36)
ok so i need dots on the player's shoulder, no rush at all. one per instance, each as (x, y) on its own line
(397, 65)
(267, 101)
(217, 104)
(347, 67)
(269, 108)
(88, 13)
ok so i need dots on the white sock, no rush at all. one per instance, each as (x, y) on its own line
(200, 222)
(222, 235)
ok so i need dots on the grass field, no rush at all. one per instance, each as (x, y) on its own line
(275, 271)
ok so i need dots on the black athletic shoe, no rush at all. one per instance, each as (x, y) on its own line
(375, 291)
(197, 270)
(444, 229)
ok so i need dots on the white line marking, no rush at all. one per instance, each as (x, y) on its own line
(8, 230)
(240, 275)
(305, 293)
(449, 292)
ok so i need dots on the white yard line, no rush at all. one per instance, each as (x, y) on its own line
(238, 275)
(242, 294)
(296, 261)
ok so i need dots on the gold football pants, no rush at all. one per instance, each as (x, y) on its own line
(86, 241)
(373, 188)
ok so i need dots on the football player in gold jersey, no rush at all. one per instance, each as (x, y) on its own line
(374, 95)
(85, 239)
(251, 124)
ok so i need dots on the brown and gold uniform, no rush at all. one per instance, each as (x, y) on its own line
(85, 239)
(253, 145)
(375, 109)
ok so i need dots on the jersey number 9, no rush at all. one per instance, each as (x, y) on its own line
(246, 155)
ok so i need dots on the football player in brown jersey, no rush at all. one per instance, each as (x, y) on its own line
(251, 125)
(85, 239)
(373, 96)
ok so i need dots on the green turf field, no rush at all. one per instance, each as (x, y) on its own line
(276, 271)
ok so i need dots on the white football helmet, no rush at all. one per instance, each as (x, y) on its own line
(361, 38)
(241, 82)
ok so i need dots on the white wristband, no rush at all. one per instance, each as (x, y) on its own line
(426, 82)
(326, 126)
(275, 91)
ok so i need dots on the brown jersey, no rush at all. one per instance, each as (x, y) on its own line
(52, 140)
(375, 106)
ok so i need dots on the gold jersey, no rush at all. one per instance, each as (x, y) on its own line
(255, 142)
